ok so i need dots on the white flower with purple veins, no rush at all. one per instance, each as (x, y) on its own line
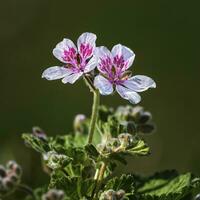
(113, 68)
(76, 61)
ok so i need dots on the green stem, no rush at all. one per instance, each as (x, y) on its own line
(96, 101)
(100, 178)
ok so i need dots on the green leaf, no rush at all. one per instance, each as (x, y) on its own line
(125, 182)
(168, 186)
(140, 149)
(92, 151)
(74, 187)
(68, 184)
(36, 143)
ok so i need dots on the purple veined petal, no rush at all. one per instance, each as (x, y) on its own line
(54, 73)
(72, 77)
(65, 51)
(122, 56)
(127, 94)
(90, 65)
(86, 44)
(139, 83)
(104, 59)
(104, 86)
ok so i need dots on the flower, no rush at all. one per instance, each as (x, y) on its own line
(76, 61)
(113, 68)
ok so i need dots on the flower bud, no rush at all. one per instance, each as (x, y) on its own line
(144, 117)
(120, 194)
(14, 168)
(53, 194)
(124, 112)
(197, 197)
(146, 128)
(78, 121)
(38, 132)
(2, 171)
(11, 164)
(104, 113)
(112, 144)
(8, 184)
(125, 139)
(14, 178)
(131, 127)
(108, 195)
(136, 111)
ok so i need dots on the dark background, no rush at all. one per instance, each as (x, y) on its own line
(165, 38)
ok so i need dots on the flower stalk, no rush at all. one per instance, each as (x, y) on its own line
(94, 116)
(100, 177)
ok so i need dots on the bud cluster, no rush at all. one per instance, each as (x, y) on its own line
(10, 177)
(53, 194)
(137, 118)
(121, 143)
(55, 160)
(112, 195)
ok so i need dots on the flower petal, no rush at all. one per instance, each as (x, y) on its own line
(65, 51)
(104, 59)
(86, 44)
(90, 65)
(72, 77)
(127, 94)
(139, 83)
(123, 56)
(104, 86)
(54, 73)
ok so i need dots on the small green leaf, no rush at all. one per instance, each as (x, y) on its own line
(125, 182)
(141, 149)
(36, 143)
(92, 151)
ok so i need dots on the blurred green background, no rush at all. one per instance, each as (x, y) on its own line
(165, 38)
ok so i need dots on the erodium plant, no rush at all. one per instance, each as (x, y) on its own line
(85, 165)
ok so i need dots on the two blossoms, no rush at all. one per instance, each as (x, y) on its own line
(107, 70)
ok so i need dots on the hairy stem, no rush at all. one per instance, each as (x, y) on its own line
(96, 101)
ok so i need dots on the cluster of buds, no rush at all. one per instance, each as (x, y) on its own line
(10, 177)
(56, 161)
(121, 143)
(53, 194)
(137, 118)
(113, 195)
